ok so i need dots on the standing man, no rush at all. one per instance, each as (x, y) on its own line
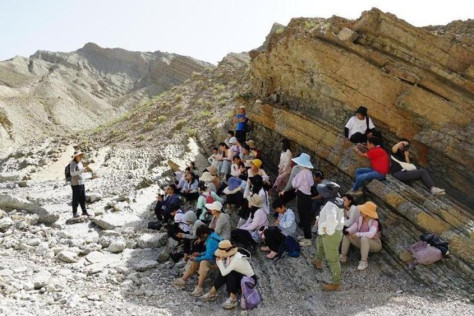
(77, 183)
(241, 121)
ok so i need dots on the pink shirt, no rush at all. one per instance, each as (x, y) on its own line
(303, 181)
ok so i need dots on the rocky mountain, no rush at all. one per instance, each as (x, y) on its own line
(50, 93)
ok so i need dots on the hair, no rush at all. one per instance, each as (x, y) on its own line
(285, 144)
(173, 207)
(319, 174)
(202, 186)
(193, 164)
(227, 176)
(214, 148)
(188, 169)
(236, 157)
(374, 141)
(203, 230)
(405, 140)
(278, 203)
(173, 187)
(350, 198)
(231, 133)
(193, 177)
(257, 183)
(245, 146)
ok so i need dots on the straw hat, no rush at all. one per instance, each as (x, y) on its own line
(255, 200)
(251, 143)
(206, 177)
(303, 160)
(257, 163)
(215, 206)
(369, 209)
(212, 170)
(226, 249)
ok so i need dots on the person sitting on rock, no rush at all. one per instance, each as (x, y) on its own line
(284, 167)
(241, 121)
(233, 192)
(233, 266)
(330, 225)
(190, 188)
(379, 161)
(162, 211)
(209, 181)
(249, 233)
(401, 168)
(246, 155)
(236, 147)
(236, 167)
(189, 239)
(254, 185)
(364, 234)
(224, 158)
(212, 158)
(253, 148)
(359, 127)
(285, 225)
(77, 170)
(220, 222)
(230, 138)
(179, 226)
(201, 262)
(351, 212)
(180, 179)
(255, 169)
(206, 197)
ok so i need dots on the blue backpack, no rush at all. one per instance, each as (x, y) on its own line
(291, 246)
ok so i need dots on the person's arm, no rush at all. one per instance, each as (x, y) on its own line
(346, 132)
(258, 220)
(265, 176)
(353, 229)
(372, 231)
(354, 214)
(221, 221)
(407, 156)
(76, 169)
(200, 202)
(209, 253)
(359, 153)
(216, 197)
(329, 225)
(289, 185)
(396, 147)
(231, 267)
(348, 127)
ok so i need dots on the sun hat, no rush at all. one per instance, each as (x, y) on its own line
(232, 140)
(304, 161)
(234, 185)
(226, 249)
(255, 200)
(77, 153)
(362, 110)
(216, 206)
(206, 177)
(242, 107)
(212, 170)
(369, 209)
(257, 163)
(251, 143)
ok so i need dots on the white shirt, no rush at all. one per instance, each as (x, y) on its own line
(331, 218)
(358, 126)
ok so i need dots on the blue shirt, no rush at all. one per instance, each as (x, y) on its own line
(212, 244)
(241, 125)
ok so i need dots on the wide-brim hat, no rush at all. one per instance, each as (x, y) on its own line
(77, 153)
(212, 170)
(303, 160)
(227, 191)
(215, 206)
(255, 200)
(232, 140)
(369, 209)
(362, 110)
(234, 183)
(251, 143)
(206, 177)
(225, 250)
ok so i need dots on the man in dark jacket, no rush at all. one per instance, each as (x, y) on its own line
(162, 208)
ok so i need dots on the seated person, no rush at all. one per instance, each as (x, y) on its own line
(189, 239)
(364, 234)
(206, 197)
(401, 160)
(285, 225)
(289, 193)
(359, 127)
(212, 158)
(163, 202)
(190, 187)
(201, 262)
(225, 157)
(236, 148)
(351, 212)
(230, 138)
(236, 167)
(255, 187)
(379, 161)
(233, 192)
(246, 155)
(220, 222)
(249, 233)
(253, 149)
(180, 179)
(233, 266)
(175, 229)
(255, 169)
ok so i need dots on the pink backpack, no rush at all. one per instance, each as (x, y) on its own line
(424, 253)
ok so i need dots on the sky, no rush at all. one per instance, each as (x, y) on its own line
(203, 29)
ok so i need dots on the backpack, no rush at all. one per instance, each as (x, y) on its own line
(250, 297)
(375, 132)
(424, 253)
(67, 173)
(209, 198)
(291, 246)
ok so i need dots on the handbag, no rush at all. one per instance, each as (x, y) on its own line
(424, 253)
(405, 165)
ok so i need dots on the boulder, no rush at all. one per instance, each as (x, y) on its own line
(9, 177)
(42, 249)
(8, 202)
(112, 221)
(93, 197)
(5, 223)
(40, 279)
(67, 256)
(152, 240)
(117, 245)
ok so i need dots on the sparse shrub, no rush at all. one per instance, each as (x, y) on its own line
(161, 118)
(191, 132)
(178, 98)
(200, 101)
(179, 107)
(148, 127)
(208, 105)
(204, 114)
(141, 138)
(179, 125)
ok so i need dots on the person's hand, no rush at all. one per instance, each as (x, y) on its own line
(324, 230)
(179, 235)
(316, 223)
(186, 257)
(370, 134)
(352, 236)
(355, 148)
(195, 254)
(277, 222)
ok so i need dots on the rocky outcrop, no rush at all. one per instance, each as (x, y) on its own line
(54, 92)
(9, 203)
(312, 76)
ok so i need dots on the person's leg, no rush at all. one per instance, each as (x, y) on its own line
(358, 138)
(331, 249)
(375, 245)
(299, 208)
(82, 198)
(319, 248)
(273, 238)
(346, 244)
(306, 214)
(233, 283)
(204, 268)
(243, 237)
(366, 177)
(191, 270)
(75, 198)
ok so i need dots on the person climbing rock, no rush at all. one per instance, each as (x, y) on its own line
(77, 169)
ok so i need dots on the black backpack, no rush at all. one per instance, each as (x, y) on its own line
(67, 172)
(375, 132)
(291, 246)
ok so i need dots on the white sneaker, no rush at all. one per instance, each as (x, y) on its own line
(437, 191)
(362, 265)
(198, 291)
(229, 304)
(179, 282)
(208, 297)
(305, 242)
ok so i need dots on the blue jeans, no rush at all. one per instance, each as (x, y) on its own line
(366, 174)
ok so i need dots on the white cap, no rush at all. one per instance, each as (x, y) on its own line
(216, 205)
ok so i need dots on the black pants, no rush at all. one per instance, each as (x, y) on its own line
(243, 237)
(306, 214)
(78, 197)
(288, 196)
(240, 135)
(316, 206)
(232, 282)
(235, 199)
(192, 196)
(413, 175)
(358, 138)
(273, 238)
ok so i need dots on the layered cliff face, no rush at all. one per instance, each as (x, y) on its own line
(308, 80)
(51, 93)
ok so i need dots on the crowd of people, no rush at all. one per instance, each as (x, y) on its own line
(235, 182)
